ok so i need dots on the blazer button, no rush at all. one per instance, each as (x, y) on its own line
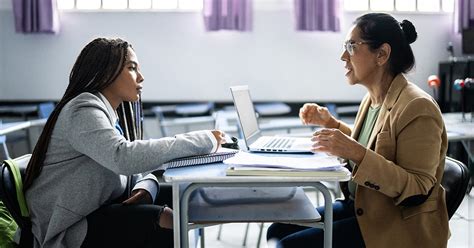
(367, 184)
(359, 211)
(377, 187)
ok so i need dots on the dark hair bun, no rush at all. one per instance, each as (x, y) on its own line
(409, 30)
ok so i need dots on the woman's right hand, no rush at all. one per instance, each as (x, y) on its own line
(312, 113)
(220, 137)
(166, 218)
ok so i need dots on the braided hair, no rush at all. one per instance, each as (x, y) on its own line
(97, 66)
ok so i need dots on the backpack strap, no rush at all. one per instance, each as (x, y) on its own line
(18, 186)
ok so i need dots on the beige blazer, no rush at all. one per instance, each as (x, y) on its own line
(406, 158)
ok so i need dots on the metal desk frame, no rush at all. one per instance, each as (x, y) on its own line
(215, 177)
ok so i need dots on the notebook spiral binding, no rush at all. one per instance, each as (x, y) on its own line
(200, 159)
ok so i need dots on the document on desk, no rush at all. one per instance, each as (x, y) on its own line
(298, 162)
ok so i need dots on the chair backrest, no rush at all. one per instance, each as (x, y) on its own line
(45, 109)
(11, 191)
(455, 181)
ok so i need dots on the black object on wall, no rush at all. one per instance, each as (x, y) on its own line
(468, 41)
(450, 99)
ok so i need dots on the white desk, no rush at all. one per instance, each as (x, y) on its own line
(10, 127)
(6, 128)
(461, 130)
(187, 180)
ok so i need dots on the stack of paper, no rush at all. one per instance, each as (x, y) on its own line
(265, 164)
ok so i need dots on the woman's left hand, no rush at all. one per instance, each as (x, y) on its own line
(336, 143)
(139, 196)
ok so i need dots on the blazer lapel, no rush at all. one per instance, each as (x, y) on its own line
(384, 113)
(396, 87)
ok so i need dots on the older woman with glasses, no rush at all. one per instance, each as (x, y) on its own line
(396, 149)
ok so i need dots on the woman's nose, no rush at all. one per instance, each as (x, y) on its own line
(141, 78)
(345, 55)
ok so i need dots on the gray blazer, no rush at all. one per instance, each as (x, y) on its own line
(85, 167)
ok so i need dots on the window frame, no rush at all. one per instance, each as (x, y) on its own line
(128, 9)
(412, 12)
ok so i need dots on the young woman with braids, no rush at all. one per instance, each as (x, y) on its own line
(396, 149)
(83, 184)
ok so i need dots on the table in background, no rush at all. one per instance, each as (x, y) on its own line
(20, 110)
(459, 129)
(10, 127)
(462, 130)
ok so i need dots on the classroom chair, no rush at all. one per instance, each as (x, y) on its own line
(45, 109)
(4, 154)
(11, 194)
(455, 182)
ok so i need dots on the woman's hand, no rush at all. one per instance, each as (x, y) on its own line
(220, 137)
(166, 218)
(312, 113)
(139, 196)
(336, 143)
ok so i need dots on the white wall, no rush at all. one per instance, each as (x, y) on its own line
(182, 62)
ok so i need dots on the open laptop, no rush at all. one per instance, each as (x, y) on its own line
(253, 138)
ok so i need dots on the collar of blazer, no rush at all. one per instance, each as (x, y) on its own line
(396, 87)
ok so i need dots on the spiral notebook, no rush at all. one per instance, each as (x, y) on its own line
(219, 156)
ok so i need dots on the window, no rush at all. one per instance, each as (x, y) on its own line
(400, 5)
(131, 4)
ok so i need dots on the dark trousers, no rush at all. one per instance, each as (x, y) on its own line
(118, 225)
(346, 232)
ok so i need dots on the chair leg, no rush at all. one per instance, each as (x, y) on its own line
(260, 235)
(196, 237)
(219, 232)
(203, 241)
(246, 234)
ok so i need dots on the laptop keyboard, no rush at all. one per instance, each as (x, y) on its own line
(279, 143)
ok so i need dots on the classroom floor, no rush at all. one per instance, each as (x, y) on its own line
(232, 235)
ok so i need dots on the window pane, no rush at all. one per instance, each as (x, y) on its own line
(165, 4)
(114, 4)
(191, 4)
(88, 4)
(356, 4)
(428, 5)
(381, 5)
(448, 5)
(65, 4)
(140, 4)
(405, 5)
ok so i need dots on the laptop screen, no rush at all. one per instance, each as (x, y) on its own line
(245, 110)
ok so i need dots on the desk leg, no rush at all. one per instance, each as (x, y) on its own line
(176, 215)
(184, 213)
(327, 214)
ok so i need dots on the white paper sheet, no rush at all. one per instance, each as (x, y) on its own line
(319, 161)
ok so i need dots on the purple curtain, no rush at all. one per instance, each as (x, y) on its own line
(228, 15)
(464, 13)
(318, 15)
(36, 16)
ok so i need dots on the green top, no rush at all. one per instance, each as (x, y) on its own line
(363, 139)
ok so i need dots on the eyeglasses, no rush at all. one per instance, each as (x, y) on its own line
(350, 44)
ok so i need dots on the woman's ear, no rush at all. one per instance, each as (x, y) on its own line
(383, 54)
